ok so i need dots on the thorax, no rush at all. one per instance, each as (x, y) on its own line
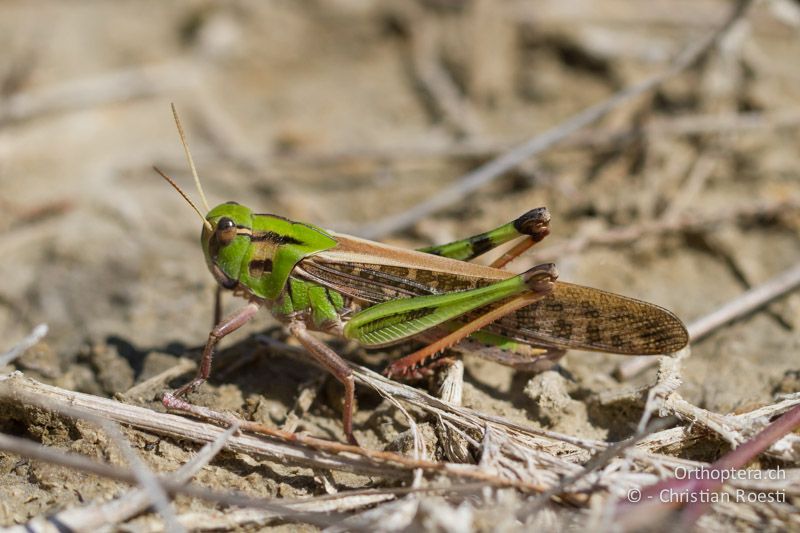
(322, 308)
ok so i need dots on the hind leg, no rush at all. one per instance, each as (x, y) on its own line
(518, 357)
(533, 225)
(337, 366)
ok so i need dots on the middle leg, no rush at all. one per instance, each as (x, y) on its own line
(337, 366)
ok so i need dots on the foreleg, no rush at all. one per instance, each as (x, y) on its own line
(225, 327)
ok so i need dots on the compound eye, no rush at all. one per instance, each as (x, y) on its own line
(226, 230)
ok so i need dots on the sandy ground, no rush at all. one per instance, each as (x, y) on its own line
(322, 112)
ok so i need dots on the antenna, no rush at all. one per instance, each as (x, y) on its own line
(206, 223)
(189, 159)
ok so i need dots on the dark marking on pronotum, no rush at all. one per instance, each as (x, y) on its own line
(259, 266)
(273, 237)
(329, 297)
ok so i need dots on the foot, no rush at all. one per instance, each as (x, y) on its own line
(535, 223)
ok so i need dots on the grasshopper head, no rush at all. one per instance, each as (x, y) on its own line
(225, 241)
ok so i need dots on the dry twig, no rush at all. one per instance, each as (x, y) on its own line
(157, 382)
(657, 128)
(32, 450)
(141, 473)
(687, 223)
(93, 516)
(287, 448)
(748, 302)
(114, 86)
(496, 167)
(24, 345)
(735, 459)
(429, 73)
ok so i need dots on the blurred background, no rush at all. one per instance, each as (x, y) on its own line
(342, 112)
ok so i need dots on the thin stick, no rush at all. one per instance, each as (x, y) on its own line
(40, 212)
(142, 474)
(36, 451)
(389, 460)
(156, 383)
(657, 128)
(122, 85)
(751, 300)
(189, 157)
(700, 172)
(496, 167)
(96, 515)
(289, 508)
(436, 80)
(599, 460)
(284, 447)
(697, 484)
(436, 406)
(730, 428)
(24, 345)
(746, 303)
(685, 223)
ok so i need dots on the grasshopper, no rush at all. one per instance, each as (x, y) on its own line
(380, 295)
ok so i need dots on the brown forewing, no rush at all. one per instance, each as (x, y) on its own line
(572, 316)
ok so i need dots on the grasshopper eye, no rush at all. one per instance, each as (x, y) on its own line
(226, 231)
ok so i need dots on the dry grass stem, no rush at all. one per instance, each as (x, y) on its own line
(24, 345)
(685, 223)
(510, 455)
(127, 505)
(748, 302)
(158, 382)
(508, 160)
(597, 138)
(287, 448)
(436, 82)
(674, 167)
(111, 87)
(305, 397)
(735, 459)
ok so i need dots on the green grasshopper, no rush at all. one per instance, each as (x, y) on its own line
(379, 295)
